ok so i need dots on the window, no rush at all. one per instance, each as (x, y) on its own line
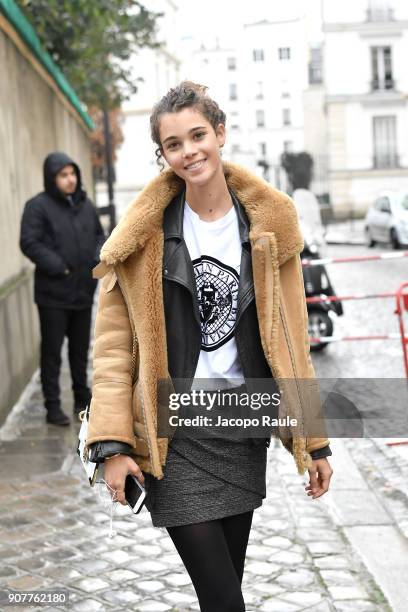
(259, 90)
(231, 63)
(260, 118)
(379, 10)
(404, 203)
(385, 205)
(316, 65)
(284, 53)
(286, 116)
(385, 142)
(262, 148)
(258, 55)
(233, 91)
(288, 146)
(381, 62)
(234, 121)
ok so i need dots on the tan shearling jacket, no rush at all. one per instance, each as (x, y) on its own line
(130, 353)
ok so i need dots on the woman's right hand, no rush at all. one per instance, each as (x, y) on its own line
(116, 470)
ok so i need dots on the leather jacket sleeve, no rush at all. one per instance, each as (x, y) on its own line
(320, 453)
(99, 451)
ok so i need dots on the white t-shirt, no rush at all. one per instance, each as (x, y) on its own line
(215, 251)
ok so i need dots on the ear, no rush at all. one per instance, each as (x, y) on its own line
(220, 134)
(162, 153)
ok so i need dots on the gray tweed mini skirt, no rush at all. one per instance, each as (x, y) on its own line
(207, 478)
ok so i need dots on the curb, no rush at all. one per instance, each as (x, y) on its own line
(346, 242)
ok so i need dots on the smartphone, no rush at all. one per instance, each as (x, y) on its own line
(135, 493)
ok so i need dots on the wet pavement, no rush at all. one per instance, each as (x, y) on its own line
(54, 531)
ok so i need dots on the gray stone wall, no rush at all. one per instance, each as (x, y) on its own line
(19, 340)
(34, 121)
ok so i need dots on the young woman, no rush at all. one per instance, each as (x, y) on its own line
(201, 280)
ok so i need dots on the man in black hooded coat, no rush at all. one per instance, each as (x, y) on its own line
(62, 235)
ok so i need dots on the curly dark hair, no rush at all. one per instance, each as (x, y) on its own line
(186, 95)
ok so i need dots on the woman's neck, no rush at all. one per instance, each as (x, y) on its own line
(210, 201)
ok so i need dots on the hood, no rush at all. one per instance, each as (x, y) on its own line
(269, 211)
(53, 163)
(400, 213)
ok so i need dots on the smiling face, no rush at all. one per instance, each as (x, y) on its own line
(191, 146)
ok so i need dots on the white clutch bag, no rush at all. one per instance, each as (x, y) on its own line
(93, 470)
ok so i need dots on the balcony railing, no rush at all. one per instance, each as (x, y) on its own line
(377, 85)
(385, 160)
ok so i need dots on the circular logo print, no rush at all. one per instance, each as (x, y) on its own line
(217, 290)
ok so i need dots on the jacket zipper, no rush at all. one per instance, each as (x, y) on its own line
(155, 467)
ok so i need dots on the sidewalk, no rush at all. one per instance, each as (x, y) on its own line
(303, 554)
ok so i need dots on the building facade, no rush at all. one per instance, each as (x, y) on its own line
(315, 124)
(366, 104)
(155, 71)
(275, 68)
(259, 83)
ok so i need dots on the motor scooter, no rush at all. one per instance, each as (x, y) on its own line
(317, 284)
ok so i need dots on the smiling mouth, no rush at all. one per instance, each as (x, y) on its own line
(195, 165)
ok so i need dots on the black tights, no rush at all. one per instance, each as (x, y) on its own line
(214, 555)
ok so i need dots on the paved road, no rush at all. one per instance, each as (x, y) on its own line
(303, 554)
(372, 359)
(371, 371)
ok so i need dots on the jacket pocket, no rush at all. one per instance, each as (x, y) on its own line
(139, 428)
(137, 405)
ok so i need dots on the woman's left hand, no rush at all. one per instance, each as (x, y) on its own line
(319, 478)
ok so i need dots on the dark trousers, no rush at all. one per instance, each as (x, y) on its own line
(55, 324)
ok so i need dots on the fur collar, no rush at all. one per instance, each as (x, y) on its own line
(269, 211)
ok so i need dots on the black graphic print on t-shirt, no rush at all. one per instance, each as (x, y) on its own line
(217, 290)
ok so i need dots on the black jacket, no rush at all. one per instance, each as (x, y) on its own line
(182, 317)
(182, 314)
(61, 235)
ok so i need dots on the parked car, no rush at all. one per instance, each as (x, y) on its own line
(387, 220)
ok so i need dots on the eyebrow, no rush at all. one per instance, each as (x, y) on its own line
(199, 127)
